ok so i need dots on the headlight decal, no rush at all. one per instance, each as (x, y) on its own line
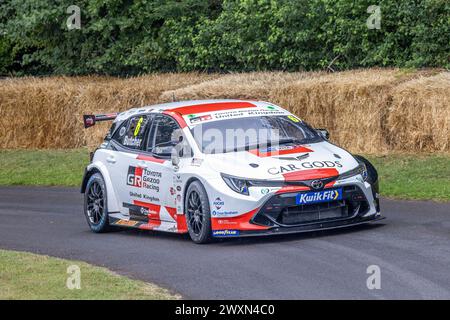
(359, 170)
(241, 185)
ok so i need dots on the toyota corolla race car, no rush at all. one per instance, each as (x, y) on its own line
(223, 168)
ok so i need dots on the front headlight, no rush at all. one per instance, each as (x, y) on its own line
(236, 184)
(360, 169)
(241, 185)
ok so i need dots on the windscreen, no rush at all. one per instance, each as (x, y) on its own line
(252, 132)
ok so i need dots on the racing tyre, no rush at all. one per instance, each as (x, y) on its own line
(198, 215)
(95, 204)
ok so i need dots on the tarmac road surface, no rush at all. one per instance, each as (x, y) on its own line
(411, 248)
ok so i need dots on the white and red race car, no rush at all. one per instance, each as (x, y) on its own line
(223, 168)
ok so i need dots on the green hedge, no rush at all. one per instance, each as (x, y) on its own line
(123, 37)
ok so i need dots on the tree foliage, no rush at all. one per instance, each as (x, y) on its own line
(125, 37)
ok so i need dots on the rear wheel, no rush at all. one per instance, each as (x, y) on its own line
(95, 204)
(198, 215)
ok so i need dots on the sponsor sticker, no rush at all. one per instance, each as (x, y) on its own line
(223, 213)
(128, 223)
(293, 118)
(143, 178)
(218, 203)
(276, 148)
(134, 176)
(200, 118)
(138, 126)
(132, 142)
(196, 162)
(319, 196)
(225, 233)
(304, 165)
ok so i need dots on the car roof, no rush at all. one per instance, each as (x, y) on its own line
(193, 106)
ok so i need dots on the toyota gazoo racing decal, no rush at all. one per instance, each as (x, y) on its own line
(295, 184)
(143, 178)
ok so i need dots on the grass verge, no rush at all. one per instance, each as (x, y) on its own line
(407, 176)
(43, 167)
(31, 276)
(404, 176)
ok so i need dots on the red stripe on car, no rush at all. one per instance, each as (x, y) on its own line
(287, 189)
(150, 225)
(149, 158)
(310, 174)
(298, 149)
(241, 222)
(180, 219)
(178, 118)
(154, 218)
(210, 107)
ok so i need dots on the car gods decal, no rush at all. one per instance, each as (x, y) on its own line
(304, 165)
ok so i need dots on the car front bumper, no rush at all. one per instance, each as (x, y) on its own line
(279, 214)
(311, 227)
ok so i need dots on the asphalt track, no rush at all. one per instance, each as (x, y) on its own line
(411, 248)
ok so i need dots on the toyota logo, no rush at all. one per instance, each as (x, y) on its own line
(317, 184)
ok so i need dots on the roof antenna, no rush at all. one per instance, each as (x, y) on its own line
(173, 97)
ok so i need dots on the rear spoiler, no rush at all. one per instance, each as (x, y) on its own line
(90, 119)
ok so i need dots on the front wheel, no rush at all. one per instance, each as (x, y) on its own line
(198, 215)
(95, 204)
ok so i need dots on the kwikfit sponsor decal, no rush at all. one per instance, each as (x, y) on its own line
(225, 233)
(319, 196)
(304, 165)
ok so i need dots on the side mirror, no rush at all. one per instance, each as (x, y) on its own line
(175, 158)
(324, 133)
(174, 142)
(176, 153)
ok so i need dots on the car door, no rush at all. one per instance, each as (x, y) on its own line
(158, 175)
(125, 168)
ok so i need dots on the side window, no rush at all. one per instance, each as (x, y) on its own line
(132, 133)
(160, 141)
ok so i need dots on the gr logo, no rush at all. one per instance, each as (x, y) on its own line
(134, 176)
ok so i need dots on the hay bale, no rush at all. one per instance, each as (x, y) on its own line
(371, 111)
(352, 105)
(252, 86)
(47, 112)
(419, 115)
